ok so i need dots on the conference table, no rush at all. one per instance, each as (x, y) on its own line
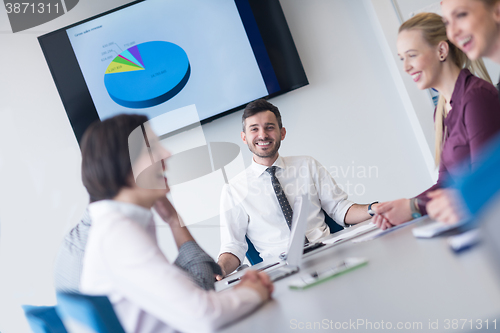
(409, 284)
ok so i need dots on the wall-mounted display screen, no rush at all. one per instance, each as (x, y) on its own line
(155, 56)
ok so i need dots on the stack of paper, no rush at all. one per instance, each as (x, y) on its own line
(381, 232)
(309, 280)
(465, 240)
(350, 235)
(433, 229)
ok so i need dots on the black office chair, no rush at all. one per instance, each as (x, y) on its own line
(254, 257)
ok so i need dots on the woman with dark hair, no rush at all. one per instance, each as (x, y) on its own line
(123, 171)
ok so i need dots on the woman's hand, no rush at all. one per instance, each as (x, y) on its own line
(446, 206)
(394, 212)
(167, 212)
(381, 222)
(259, 282)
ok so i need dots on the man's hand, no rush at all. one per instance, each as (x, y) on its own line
(259, 282)
(446, 206)
(228, 262)
(167, 212)
(395, 212)
(220, 277)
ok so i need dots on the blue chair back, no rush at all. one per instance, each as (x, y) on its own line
(44, 319)
(92, 312)
(254, 257)
(334, 226)
(252, 254)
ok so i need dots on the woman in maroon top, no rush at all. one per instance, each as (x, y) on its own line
(467, 114)
(474, 26)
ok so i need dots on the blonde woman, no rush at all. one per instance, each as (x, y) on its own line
(474, 26)
(467, 114)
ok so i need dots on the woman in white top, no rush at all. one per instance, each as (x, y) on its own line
(123, 260)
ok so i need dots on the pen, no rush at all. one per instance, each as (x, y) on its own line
(316, 274)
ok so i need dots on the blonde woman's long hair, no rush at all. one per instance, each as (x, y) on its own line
(434, 32)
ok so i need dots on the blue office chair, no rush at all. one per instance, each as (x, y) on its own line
(252, 253)
(44, 319)
(334, 226)
(93, 312)
(254, 257)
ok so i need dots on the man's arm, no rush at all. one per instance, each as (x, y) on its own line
(200, 266)
(228, 262)
(234, 224)
(192, 259)
(69, 260)
(334, 200)
(357, 213)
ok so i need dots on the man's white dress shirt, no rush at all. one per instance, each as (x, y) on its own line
(123, 261)
(249, 205)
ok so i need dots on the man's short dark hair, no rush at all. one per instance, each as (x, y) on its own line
(106, 159)
(257, 106)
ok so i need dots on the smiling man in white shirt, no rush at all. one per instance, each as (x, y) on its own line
(251, 207)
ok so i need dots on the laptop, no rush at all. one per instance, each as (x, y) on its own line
(293, 256)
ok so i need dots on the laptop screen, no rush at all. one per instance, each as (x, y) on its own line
(299, 224)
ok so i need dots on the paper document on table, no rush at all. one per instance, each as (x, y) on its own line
(317, 277)
(465, 240)
(381, 232)
(435, 229)
(350, 235)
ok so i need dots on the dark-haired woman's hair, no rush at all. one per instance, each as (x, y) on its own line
(106, 155)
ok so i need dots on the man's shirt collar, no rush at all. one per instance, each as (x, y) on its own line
(259, 169)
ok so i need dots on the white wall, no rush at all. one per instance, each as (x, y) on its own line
(350, 115)
(417, 103)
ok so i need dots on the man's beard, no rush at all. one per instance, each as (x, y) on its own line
(265, 154)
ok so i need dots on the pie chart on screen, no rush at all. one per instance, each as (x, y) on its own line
(147, 74)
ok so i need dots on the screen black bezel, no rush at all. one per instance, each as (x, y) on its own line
(78, 102)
